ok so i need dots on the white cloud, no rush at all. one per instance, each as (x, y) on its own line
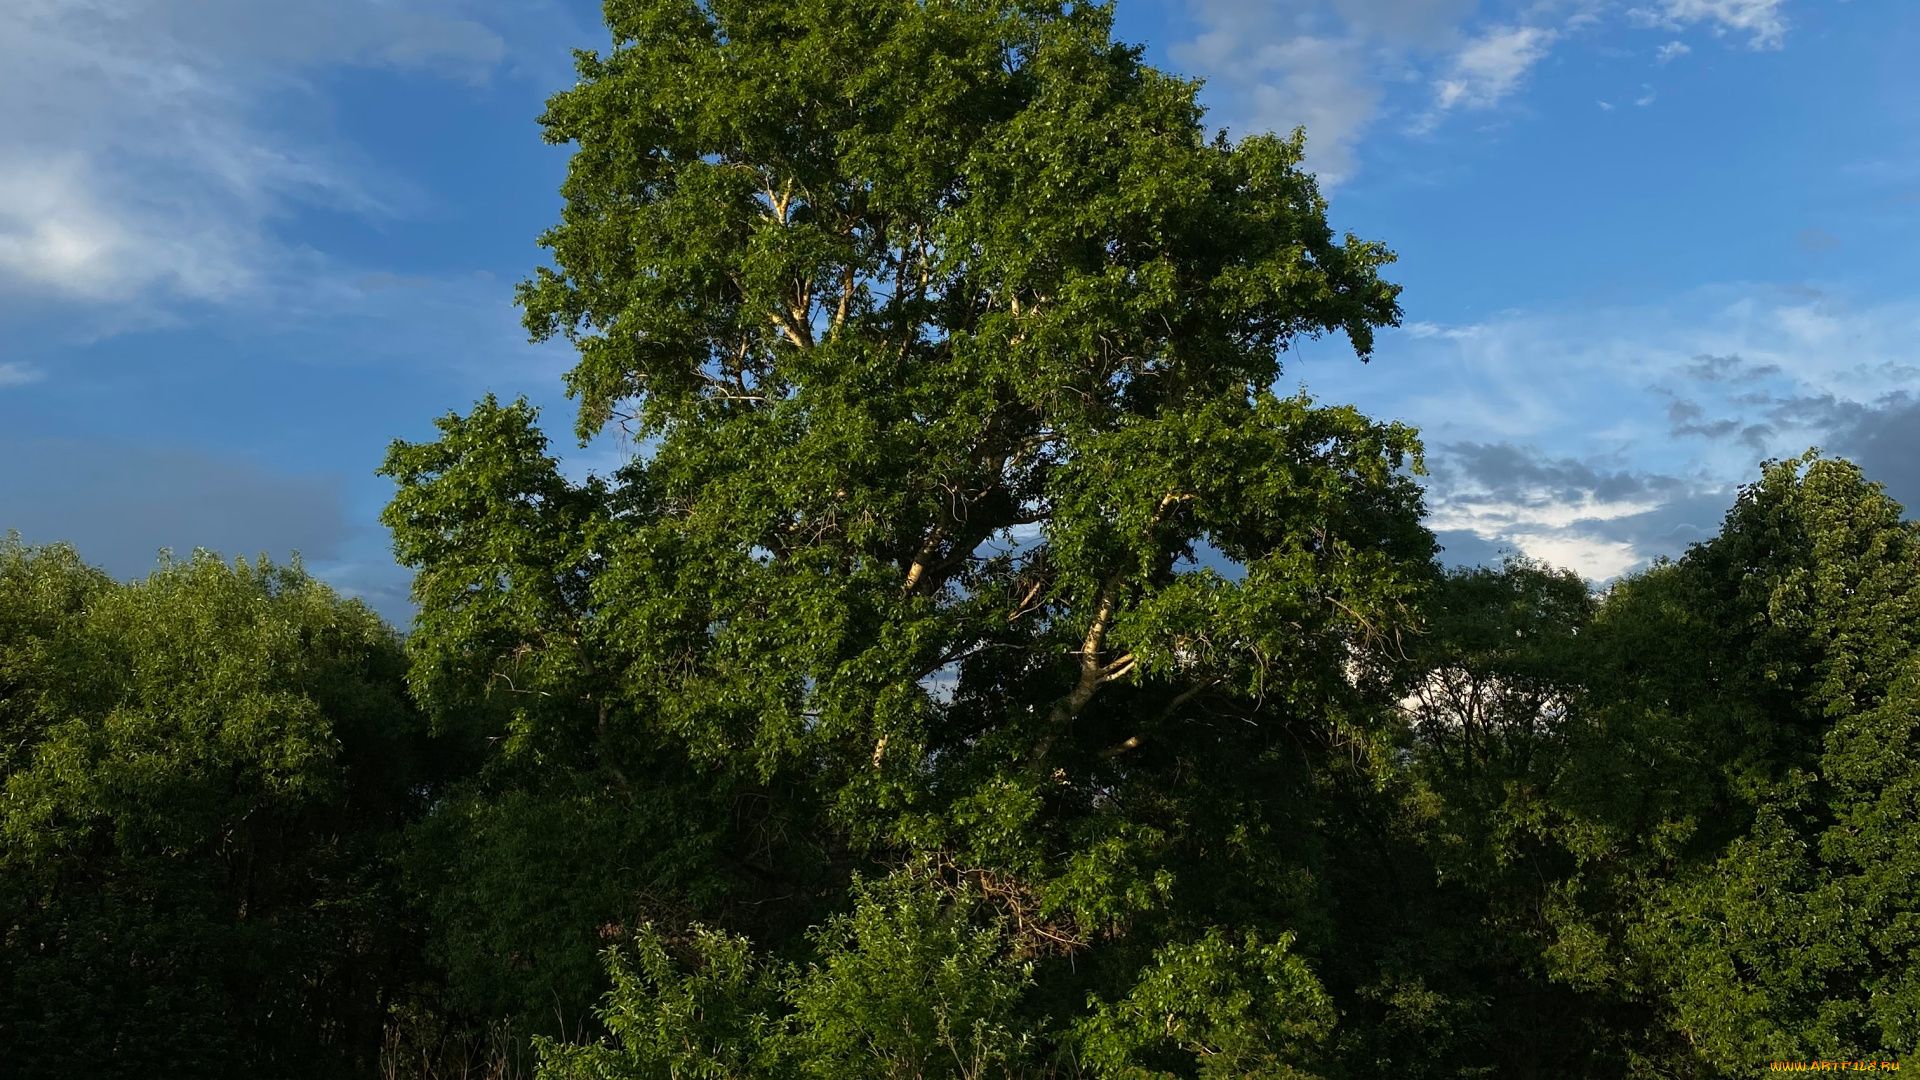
(66, 230)
(1671, 51)
(1761, 20)
(1269, 71)
(17, 374)
(1424, 329)
(1592, 557)
(1601, 380)
(1540, 507)
(149, 145)
(1329, 65)
(1592, 515)
(1491, 66)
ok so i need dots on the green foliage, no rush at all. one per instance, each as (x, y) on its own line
(714, 1022)
(967, 530)
(1788, 927)
(910, 983)
(997, 189)
(1692, 806)
(532, 864)
(977, 671)
(205, 776)
(1480, 979)
(1495, 665)
(1214, 1010)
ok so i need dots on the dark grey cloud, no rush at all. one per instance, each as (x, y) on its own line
(119, 504)
(1687, 417)
(1884, 439)
(1817, 413)
(1731, 367)
(1497, 498)
(1882, 435)
(1525, 476)
(1460, 547)
(1670, 528)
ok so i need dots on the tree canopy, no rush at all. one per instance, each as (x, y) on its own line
(969, 541)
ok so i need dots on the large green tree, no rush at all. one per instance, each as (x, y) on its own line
(965, 542)
(203, 777)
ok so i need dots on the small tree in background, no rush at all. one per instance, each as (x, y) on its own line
(205, 778)
(1749, 773)
(1685, 812)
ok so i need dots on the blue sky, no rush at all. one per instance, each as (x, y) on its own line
(1646, 244)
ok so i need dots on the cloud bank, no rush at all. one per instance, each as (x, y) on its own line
(1601, 439)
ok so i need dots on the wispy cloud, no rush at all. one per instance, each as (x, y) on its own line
(1763, 21)
(1329, 65)
(18, 374)
(1339, 67)
(151, 145)
(1491, 66)
(1671, 51)
(1275, 66)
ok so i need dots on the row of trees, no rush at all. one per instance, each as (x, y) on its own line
(978, 671)
(1671, 831)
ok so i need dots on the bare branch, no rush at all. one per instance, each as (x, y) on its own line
(1133, 742)
(846, 297)
(1093, 672)
(1168, 502)
(798, 333)
(923, 559)
(782, 201)
(1026, 603)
